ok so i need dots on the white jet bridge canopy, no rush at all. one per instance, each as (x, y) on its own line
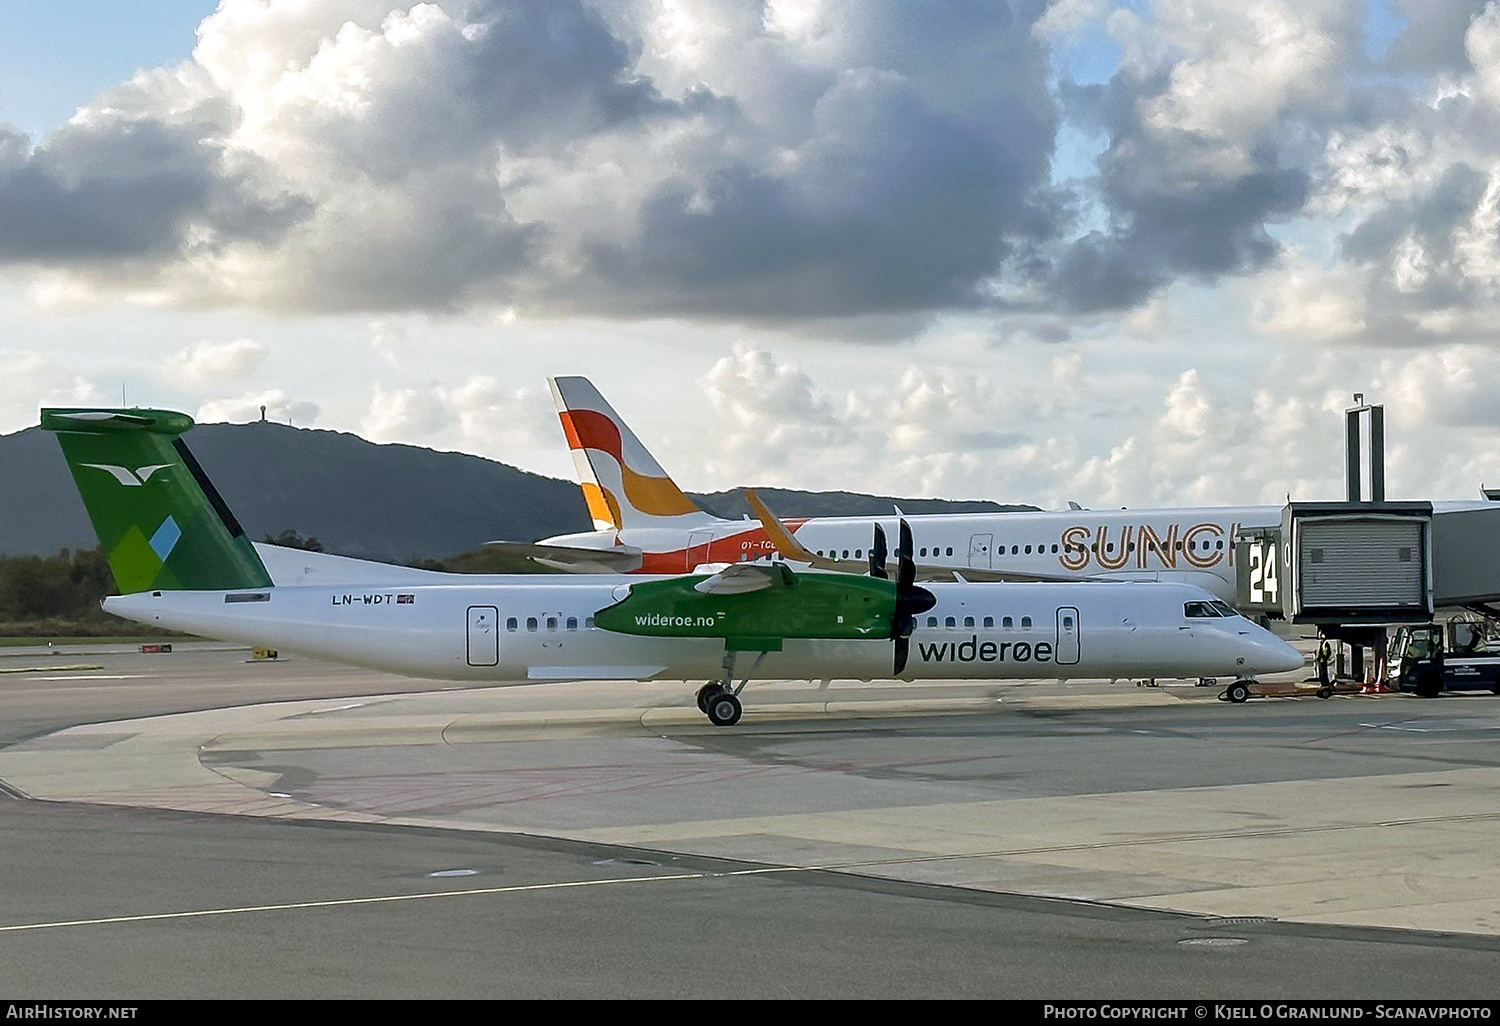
(1370, 562)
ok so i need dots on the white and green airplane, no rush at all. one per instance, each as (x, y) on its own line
(182, 561)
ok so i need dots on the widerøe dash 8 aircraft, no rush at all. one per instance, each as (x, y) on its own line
(182, 561)
(644, 523)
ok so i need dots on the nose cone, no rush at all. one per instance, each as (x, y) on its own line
(1272, 655)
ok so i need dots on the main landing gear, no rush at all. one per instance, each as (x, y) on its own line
(719, 699)
(722, 705)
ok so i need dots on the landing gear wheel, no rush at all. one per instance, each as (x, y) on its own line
(723, 709)
(1325, 692)
(706, 692)
(1238, 692)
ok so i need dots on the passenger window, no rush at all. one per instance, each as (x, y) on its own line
(588, 623)
(1028, 550)
(968, 621)
(950, 622)
(950, 550)
(989, 621)
(552, 623)
(1025, 621)
(572, 623)
(1067, 623)
(924, 550)
(1007, 623)
(1015, 550)
(511, 624)
(1054, 550)
(932, 621)
(531, 623)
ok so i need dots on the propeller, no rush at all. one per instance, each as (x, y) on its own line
(877, 555)
(910, 598)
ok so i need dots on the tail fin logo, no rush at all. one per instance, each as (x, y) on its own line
(127, 477)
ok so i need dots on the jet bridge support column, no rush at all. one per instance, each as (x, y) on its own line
(1364, 462)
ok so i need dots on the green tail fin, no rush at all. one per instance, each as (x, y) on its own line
(162, 524)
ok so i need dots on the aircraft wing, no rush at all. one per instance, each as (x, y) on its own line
(740, 578)
(927, 572)
(790, 548)
(621, 559)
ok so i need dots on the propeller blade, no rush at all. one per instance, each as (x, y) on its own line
(877, 555)
(910, 599)
(906, 574)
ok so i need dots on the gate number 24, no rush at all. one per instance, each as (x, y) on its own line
(1263, 583)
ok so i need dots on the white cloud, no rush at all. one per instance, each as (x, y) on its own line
(476, 416)
(1293, 53)
(273, 404)
(388, 338)
(1305, 301)
(34, 380)
(208, 362)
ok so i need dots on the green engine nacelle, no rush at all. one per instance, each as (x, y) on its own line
(839, 607)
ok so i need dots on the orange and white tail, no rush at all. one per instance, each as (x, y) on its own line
(623, 485)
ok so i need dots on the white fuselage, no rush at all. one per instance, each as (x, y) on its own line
(1185, 546)
(540, 628)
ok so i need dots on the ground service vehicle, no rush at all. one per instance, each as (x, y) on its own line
(1431, 658)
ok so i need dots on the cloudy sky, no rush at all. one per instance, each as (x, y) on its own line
(1135, 252)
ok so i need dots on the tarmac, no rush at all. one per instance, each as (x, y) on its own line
(1361, 811)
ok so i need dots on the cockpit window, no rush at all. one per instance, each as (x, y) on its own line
(1214, 607)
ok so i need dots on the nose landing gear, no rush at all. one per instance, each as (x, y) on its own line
(1237, 692)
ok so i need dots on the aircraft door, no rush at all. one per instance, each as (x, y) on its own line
(1067, 636)
(697, 550)
(484, 636)
(979, 550)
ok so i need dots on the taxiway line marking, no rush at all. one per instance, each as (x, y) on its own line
(711, 874)
(345, 902)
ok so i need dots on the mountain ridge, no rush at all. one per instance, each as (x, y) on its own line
(392, 502)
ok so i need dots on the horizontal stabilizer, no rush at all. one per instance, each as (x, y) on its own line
(289, 566)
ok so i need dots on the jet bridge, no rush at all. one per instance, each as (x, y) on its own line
(1368, 563)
